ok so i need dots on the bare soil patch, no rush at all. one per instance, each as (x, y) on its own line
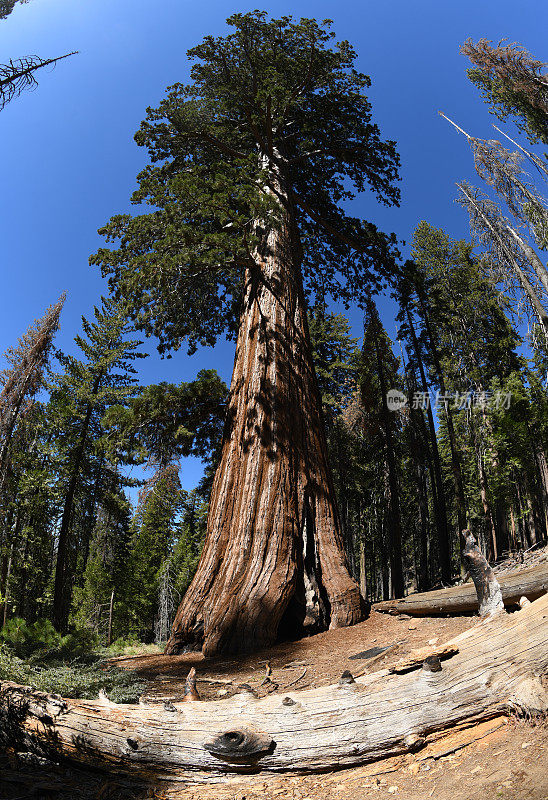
(307, 663)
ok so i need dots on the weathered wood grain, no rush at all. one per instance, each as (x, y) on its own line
(381, 714)
(531, 583)
(416, 657)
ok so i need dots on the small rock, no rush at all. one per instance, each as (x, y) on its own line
(222, 691)
(392, 789)
(403, 616)
(412, 628)
(434, 641)
(525, 744)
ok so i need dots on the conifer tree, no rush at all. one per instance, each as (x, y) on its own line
(513, 83)
(22, 378)
(106, 567)
(336, 357)
(152, 541)
(81, 395)
(165, 422)
(379, 373)
(249, 165)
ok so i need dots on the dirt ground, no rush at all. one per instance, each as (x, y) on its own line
(307, 663)
(505, 759)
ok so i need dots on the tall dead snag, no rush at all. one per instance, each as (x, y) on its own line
(355, 721)
(503, 170)
(513, 83)
(22, 378)
(18, 75)
(508, 261)
(487, 587)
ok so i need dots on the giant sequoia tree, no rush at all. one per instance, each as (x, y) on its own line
(249, 166)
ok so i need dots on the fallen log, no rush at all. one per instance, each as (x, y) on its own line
(499, 666)
(530, 583)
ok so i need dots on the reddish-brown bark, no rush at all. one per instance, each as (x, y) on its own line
(273, 561)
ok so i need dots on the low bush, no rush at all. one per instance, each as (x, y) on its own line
(40, 643)
(24, 639)
(74, 679)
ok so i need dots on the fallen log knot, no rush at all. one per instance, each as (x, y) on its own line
(414, 742)
(288, 701)
(241, 745)
(432, 664)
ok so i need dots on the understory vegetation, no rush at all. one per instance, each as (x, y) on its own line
(75, 665)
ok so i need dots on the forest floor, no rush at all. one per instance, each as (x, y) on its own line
(303, 664)
(504, 759)
(501, 759)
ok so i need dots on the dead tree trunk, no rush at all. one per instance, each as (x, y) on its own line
(381, 714)
(273, 560)
(487, 587)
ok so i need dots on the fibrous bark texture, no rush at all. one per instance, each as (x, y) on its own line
(531, 583)
(500, 665)
(273, 561)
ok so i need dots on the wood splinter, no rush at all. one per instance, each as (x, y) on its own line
(191, 693)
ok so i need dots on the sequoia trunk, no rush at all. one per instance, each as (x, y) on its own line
(273, 560)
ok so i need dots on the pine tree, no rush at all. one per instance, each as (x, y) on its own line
(470, 343)
(249, 165)
(152, 541)
(378, 374)
(165, 422)
(30, 513)
(336, 358)
(106, 567)
(81, 395)
(514, 84)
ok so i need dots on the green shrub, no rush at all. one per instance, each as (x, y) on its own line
(79, 645)
(25, 639)
(73, 679)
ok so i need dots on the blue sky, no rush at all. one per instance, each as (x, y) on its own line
(68, 159)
